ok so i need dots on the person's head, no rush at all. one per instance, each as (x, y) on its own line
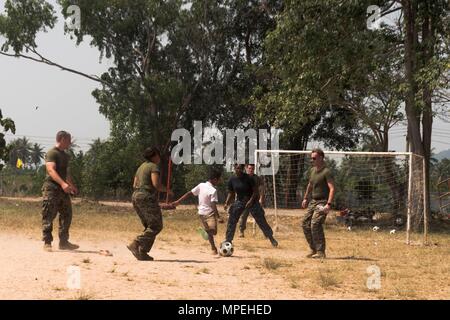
(317, 157)
(214, 176)
(63, 140)
(152, 154)
(238, 169)
(250, 169)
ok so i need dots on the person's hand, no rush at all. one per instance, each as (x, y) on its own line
(304, 203)
(74, 190)
(66, 188)
(175, 203)
(326, 209)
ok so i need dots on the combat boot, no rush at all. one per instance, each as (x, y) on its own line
(66, 245)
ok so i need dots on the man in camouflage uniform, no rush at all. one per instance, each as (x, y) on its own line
(145, 202)
(56, 191)
(259, 183)
(321, 187)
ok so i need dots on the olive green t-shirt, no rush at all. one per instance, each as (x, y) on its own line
(61, 159)
(319, 182)
(143, 176)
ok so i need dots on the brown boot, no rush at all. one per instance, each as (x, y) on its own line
(134, 248)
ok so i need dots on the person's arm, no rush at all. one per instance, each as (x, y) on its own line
(182, 198)
(135, 182)
(51, 170)
(262, 195)
(330, 196)
(230, 197)
(70, 182)
(158, 186)
(305, 198)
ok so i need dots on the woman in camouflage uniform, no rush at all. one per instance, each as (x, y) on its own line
(145, 201)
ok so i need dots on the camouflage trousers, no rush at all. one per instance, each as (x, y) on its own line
(257, 212)
(312, 225)
(55, 200)
(148, 210)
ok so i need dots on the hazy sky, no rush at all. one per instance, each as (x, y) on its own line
(65, 102)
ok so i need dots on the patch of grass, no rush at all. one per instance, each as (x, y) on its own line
(113, 270)
(84, 296)
(273, 264)
(86, 260)
(327, 279)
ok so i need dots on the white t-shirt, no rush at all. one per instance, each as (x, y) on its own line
(207, 194)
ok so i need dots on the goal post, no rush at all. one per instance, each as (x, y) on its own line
(379, 187)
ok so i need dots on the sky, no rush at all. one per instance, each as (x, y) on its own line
(43, 100)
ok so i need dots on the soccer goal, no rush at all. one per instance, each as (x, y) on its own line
(381, 188)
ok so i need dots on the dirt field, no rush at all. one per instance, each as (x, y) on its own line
(184, 268)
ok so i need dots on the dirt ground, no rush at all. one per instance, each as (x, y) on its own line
(184, 269)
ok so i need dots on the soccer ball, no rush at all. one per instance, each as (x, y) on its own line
(226, 249)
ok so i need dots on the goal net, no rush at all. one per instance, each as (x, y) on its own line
(383, 188)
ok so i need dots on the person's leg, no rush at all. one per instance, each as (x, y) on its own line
(154, 225)
(65, 219)
(317, 221)
(49, 212)
(306, 226)
(210, 226)
(259, 215)
(243, 222)
(234, 212)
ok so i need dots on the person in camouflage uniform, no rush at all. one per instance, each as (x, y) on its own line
(321, 187)
(145, 202)
(259, 183)
(56, 190)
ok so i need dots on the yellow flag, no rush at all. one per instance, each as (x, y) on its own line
(19, 163)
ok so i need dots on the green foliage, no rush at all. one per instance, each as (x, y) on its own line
(6, 124)
(22, 21)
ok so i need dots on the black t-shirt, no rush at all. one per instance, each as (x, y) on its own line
(243, 186)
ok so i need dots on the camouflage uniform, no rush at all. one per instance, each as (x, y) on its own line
(148, 210)
(55, 200)
(145, 202)
(313, 226)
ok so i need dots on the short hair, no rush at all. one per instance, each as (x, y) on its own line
(61, 135)
(214, 174)
(150, 152)
(239, 165)
(319, 152)
(250, 164)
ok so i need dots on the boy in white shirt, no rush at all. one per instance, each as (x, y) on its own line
(207, 205)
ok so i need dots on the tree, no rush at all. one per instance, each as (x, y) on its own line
(20, 148)
(37, 154)
(7, 125)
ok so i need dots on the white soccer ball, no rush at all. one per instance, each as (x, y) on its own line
(393, 231)
(376, 228)
(226, 249)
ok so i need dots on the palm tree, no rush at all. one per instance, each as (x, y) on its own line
(20, 149)
(37, 154)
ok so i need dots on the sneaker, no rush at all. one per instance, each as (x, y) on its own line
(48, 246)
(273, 242)
(66, 245)
(311, 254)
(319, 255)
(241, 234)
